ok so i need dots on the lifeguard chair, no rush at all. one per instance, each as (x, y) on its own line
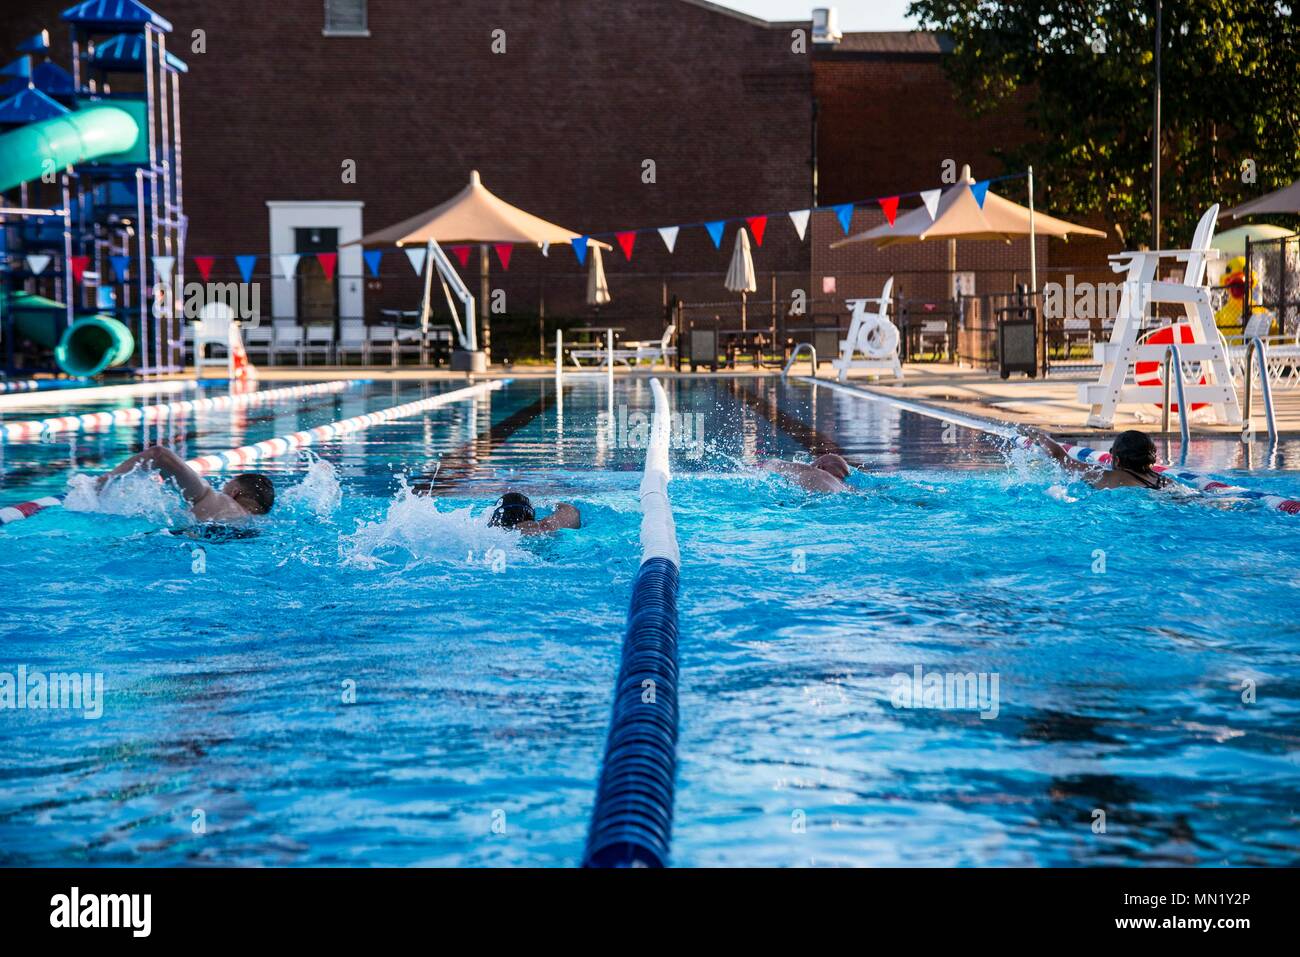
(872, 336)
(1197, 339)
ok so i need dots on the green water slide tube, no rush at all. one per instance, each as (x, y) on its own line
(87, 347)
(88, 134)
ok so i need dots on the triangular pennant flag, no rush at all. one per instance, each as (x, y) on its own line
(79, 265)
(328, 262)
(119, 266)
(580, 249)
(715, 232)
(503, 253)
(890, 207)
(627, 241)
(37, 262)
(204, 264)
(462, 255)
(757, 226)
(163, 266)
(844, 213)
(246, 264)
(931, 199)
(372, 258)
(669, 235)
(288, 264)
(546, 250)
(800, 219)
(980, 190)
(416, 255)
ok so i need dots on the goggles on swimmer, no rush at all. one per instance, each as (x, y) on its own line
(512, 509)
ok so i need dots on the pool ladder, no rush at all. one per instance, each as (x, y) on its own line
(794, 357)
(1256, 344)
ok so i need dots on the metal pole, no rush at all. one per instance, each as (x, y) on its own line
(1033, 240)
(484, 289)
(1155, 136)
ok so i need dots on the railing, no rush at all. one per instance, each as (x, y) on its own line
(794, 357)
(1174, 368)
(1256, 344)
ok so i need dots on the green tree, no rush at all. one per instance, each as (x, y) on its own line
(1230, 99)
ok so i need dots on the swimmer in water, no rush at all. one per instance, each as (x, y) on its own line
(826, 474)
(1132, 456)
(249, 494)
(515, 511)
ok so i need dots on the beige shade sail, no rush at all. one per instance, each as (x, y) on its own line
(959, 216)
(474, 215)
(1284, 200)
(597, 286)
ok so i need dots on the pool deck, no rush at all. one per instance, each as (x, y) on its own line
(1050, 404)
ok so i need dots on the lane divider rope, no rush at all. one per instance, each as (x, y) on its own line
(1208, 484)
(37, 428)
(631, 822)
(283, 445)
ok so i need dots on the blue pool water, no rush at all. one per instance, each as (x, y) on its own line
(379, 678)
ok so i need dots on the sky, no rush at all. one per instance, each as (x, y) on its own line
(854, 14)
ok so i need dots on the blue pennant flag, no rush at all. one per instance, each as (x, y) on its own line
(580, 249)
(119, 266)
(21, 68)
(372, 257)
(246, 264)
(715, 232)
(980, 190)
(844, 214)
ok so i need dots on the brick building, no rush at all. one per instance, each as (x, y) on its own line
(559, 104)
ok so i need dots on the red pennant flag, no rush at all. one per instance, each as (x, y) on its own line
(757, 226)
(627, 241)
(79, 266)
(890, 205)
(462, 255)
(327, 262)
(205, 265)
(503, 253)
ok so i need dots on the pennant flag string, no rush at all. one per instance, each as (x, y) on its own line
(373, 257)
(931, 200)
(757, 226)
(246, 264)
(120, 264)
(627, 241)
(889, 206)
(416, 256)
(37, 262)
(580, 249)
(462, 255)
(328, 262)
(800, 219)
(204, 265)
(288, 264)
(669, 235)
(715, 232)
(79, 266)
(503, 253)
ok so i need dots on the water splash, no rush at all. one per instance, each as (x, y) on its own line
(138, 494)
(415, 530)
(319, 492)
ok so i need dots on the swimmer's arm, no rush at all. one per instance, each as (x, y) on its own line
(170, 465)
(564, 516)
(1056, 451)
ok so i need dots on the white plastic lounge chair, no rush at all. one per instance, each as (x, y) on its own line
(286, 337)
(652, 350)
(212, 329)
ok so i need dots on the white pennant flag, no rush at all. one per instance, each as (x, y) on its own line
(288, 264)
(546, 250)
(800, 219)
(931, 199)
(669, 234)
(163, 266)
(37, 263)
(416, 255)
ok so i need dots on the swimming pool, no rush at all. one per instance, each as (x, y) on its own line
(379, 678)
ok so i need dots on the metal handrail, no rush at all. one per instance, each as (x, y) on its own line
(1256, 344)
(1173, 361)
(795, 355)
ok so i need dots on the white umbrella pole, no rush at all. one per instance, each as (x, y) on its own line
(1033, 240)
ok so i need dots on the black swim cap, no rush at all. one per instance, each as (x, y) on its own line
(512, 509)
(1133, 450)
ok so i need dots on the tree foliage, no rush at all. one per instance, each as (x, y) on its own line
(1230, 99)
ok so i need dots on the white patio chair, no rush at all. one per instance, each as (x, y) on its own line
(286, 337)
(318, 340)
(933, 332)
(1076, 330)
(212, 329)
(652, 350)
(257, 340)
(353, 341)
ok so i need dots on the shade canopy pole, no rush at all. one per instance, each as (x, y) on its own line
(1033, 240)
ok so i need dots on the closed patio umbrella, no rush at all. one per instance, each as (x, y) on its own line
(597, 286)
(740, 274)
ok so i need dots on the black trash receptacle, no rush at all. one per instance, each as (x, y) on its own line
(1018, 345)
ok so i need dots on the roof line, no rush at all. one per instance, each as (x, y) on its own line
(744, 17)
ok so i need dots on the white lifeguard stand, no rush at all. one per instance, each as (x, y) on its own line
(212, 329)
(1117, 357)
(872, 335)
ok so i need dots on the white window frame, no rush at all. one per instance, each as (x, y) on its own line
(329, 31)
